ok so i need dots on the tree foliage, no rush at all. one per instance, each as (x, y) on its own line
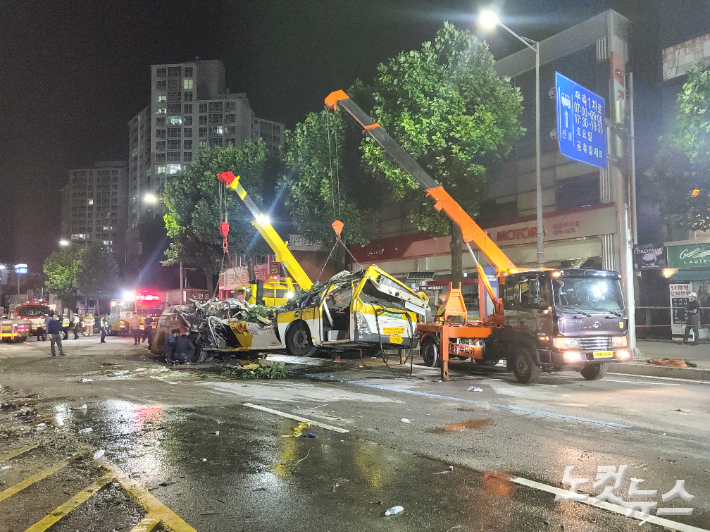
(61, 269)
(326, 181)
(681, 171)
(447, 107)
(197, 202)
(97, 273)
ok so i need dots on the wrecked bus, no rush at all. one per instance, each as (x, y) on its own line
(368, 310)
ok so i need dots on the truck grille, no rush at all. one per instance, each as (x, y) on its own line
(597, 343)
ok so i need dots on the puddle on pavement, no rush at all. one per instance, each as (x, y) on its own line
(471, 424)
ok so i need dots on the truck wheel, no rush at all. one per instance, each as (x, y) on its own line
(524, 367)
(298, 340)
(429, 351)
(594, 372)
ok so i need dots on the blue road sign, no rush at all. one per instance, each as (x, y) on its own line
(581, 128)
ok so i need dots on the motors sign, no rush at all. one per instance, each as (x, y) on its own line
(689, 255)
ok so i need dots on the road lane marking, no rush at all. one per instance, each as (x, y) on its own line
(660, 521)
(543, 413)
(297, 418)
(37, 477)
(148, 523)
(12, 454)
(65, 508)
(155, 508)
(679, 380)
(645, 383)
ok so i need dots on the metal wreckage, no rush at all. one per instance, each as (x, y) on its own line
(368, 310)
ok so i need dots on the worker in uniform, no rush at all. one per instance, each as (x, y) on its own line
(76, 326)
(65, 326)
(135, 323)
(89, 324)
(104, 328)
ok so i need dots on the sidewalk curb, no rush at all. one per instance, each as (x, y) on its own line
(651, 370)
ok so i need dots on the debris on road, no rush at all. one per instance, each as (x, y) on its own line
(474, 389)
(298, 431)
(86, 430)
(98, 454)
(310, 435)
(394, 510)
(405, 420)
(262, 369)
(84, 379)
(82, 407)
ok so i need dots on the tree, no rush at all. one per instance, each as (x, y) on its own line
(681, 172)
(327, 181)
(97, 273)
(61, 269)
(447, 107)
(197, 203)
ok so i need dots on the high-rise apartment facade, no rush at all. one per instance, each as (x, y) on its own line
(95, 206)
(190, 111)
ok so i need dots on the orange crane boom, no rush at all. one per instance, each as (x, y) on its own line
(470, 230)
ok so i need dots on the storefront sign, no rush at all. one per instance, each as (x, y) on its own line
(689, 255)
(590, 222)
(650, 257)
(679, 300)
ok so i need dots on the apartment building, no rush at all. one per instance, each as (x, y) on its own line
(94, 205)
(190, 111)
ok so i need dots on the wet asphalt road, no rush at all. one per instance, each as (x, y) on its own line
(222, 465)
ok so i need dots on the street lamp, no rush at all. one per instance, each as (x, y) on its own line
(20, 269)
(489, 19)
(63, 242)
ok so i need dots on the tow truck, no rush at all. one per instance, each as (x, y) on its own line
(368, 310)
(546, 320)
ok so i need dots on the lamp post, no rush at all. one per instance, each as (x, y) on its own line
(19, 270)
(489, 19)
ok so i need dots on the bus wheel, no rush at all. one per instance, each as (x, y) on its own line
(298, 340)
(429, 351)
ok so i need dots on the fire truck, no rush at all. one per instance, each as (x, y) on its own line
(34, 311)
(544, 319)
(143, 303)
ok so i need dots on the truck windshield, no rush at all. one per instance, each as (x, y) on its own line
(584, 293)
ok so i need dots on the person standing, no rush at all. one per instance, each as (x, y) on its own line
(148, 330)
(104, 328)
(54, 329)
(135, 323)
(89, 324)
(42, 329)
(692, 315)
(65, 326)
(76, 325)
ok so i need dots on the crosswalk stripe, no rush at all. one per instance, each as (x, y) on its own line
(62, 510)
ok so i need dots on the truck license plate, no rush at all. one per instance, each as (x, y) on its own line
(603, 354)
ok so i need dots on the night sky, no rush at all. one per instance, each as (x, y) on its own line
(73, 73)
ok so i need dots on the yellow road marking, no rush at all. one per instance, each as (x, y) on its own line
(148, 523)
(155, 508)
(12, 454)
(62, 510)
(39, 476)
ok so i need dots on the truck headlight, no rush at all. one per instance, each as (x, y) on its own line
(565, 343)
(623, 355)
(618, 341)
(573, 356)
